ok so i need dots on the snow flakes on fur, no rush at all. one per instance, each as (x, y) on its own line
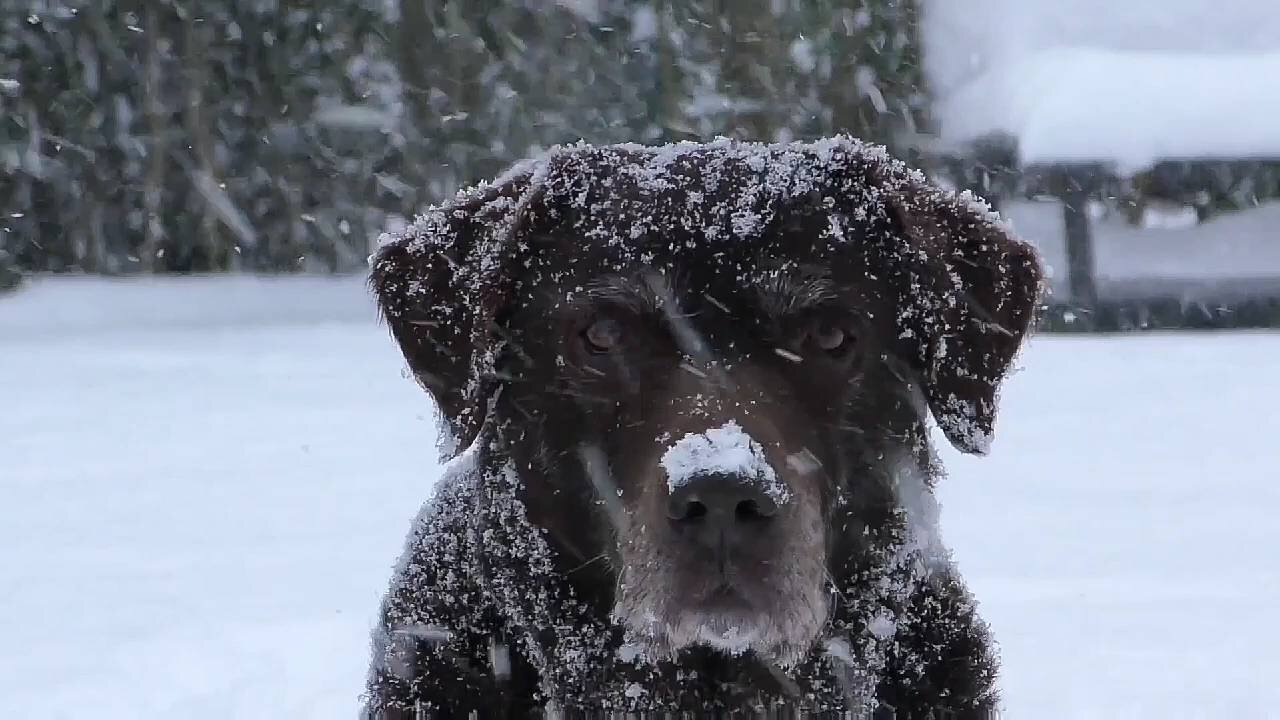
(958, 276)
(477, 574)
(478, 603)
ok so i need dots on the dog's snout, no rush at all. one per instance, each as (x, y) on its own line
(710, 505)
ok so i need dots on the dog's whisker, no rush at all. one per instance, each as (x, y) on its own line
(596, 559)
(596, 464)
(563, 540)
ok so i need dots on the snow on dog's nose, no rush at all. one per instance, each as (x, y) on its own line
(722, 490)
(728, 451)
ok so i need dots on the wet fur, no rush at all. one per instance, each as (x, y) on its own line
(527, 585)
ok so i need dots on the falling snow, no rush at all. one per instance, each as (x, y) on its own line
(268, 615)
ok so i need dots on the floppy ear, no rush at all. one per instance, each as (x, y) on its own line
(436, 287)
(986, 284)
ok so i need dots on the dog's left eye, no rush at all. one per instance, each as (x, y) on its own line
(602, 335)
(829, 337)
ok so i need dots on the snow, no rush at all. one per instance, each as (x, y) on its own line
(204, 486)
(1230, 257)
(224, 208)
(644, 24)
(726, 449)
(1094, 80)
(1129, 108)
(632, 204)
(207, 483)
(1121, 536)
(75, 306)
(354, 117)
(587, 10)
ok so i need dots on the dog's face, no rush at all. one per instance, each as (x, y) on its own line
(717, 419)
(715, 401)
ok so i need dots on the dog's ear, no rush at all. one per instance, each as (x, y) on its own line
(436, 289)
(985, 284)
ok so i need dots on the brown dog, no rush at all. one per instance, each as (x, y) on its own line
(692, 383)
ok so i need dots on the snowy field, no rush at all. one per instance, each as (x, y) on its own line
(204, 483)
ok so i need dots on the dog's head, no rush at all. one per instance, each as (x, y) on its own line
(709, 358)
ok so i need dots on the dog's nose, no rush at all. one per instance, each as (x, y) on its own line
(717, 507)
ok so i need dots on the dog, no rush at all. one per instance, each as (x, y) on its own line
(686, 392)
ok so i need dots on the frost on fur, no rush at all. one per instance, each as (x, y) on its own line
(484, 600)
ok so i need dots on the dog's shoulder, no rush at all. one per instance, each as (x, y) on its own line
(437, 620)
(943, 659)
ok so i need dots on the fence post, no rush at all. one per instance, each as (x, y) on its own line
(1074, 186)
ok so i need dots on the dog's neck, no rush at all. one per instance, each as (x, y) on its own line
(576, 542)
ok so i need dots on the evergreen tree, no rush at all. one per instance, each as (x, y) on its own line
(206, 135)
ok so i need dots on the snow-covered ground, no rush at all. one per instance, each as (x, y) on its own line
(201, 501)
(204, 483)
(1123, 536)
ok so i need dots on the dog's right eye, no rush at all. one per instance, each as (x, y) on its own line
(602, 335)
(829, 337)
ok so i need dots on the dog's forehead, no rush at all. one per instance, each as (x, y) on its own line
(788, 259)
(713, 214)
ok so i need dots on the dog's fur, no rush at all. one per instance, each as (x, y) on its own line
(820, 297)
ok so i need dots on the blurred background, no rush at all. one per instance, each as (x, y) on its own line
(210, 456)
(1137, 145)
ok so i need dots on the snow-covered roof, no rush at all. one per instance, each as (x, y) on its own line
(1129, 108)
(1127, 83)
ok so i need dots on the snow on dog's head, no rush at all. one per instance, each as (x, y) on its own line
(706, 360)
